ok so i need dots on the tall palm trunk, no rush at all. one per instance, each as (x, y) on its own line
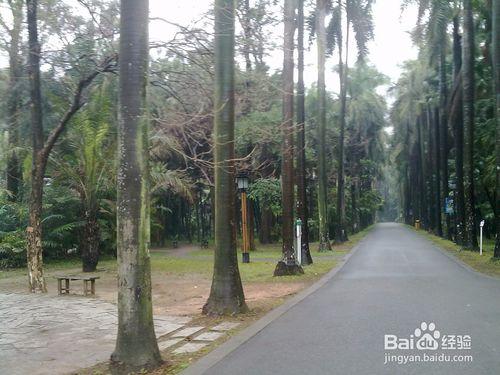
(302, 212)
(422, 175)
(431, 169)
(14, 175)
(91, 236)
(438, 206)
(443, 135)
(495, 15)
(136, 345)
(324, 237)
(468, 79)
(341, 230)
(287, 265)
(226, 293)
(456, 118)
(34, 230)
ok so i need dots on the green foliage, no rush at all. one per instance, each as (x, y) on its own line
(12, 249)
(12, 237)
(370, 202)
(267, 192)
(60, 224)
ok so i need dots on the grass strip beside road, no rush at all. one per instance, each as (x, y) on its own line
(482, 263)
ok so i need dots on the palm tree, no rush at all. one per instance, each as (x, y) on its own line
(86, 167)
(358, 15)
(136, 345)
(341, 230)
(302, 211)
(433, 37)
(468, 79)
(287, 265)
(226, 293)
(324, 237)
(456, 122)
(496, 72)
(42, 147)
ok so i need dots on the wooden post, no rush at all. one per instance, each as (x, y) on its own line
(244, 225)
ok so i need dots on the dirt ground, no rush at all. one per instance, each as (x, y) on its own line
(181, 295)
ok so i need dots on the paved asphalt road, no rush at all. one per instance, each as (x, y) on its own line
(394, 282)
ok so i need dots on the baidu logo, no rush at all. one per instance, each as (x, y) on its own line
(427, 337)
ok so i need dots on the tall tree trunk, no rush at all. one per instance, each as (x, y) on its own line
(421, 173)
(226, 294)
(302, 213)
(443, 134)
(407, 187)
(14, 175)
(437, 167)
(324, 237)
(468, 80)
(456, 112)
(341, 230)
(91, 237)
(136, 345)
(34, 230)
(431, 168)
(265, 225)
(495, 15)
(287, 265)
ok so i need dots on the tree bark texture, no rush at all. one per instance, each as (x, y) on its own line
(302, 212)
(468, 80)
(90, 241)
(495, 15)
(443, 130)
(136, 345)
(226, 293)
(287, 265)
(324, 237)
(34, 230)
(341, 230)
(456, 121)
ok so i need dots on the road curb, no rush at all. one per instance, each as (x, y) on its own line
(205, 363)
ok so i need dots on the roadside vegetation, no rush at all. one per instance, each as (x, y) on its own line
(485, 263)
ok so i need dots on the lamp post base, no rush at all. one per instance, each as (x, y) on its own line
(246, 257)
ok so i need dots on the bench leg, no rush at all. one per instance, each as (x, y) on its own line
(59, 286)
(85, 287)
(92, 287)
(67, 286)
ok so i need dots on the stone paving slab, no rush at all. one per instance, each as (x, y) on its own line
(169, 343)
(190, 347)
(225, 326)
(45, 335)
(209, 336)
(187, 331)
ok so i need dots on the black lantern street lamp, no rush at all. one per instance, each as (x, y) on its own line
(242, 182)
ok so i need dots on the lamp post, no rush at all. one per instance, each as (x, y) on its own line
(242, 182)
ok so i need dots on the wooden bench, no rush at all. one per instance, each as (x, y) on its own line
(86, 280)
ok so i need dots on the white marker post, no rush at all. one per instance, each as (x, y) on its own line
(481, 225)
(299, 241)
